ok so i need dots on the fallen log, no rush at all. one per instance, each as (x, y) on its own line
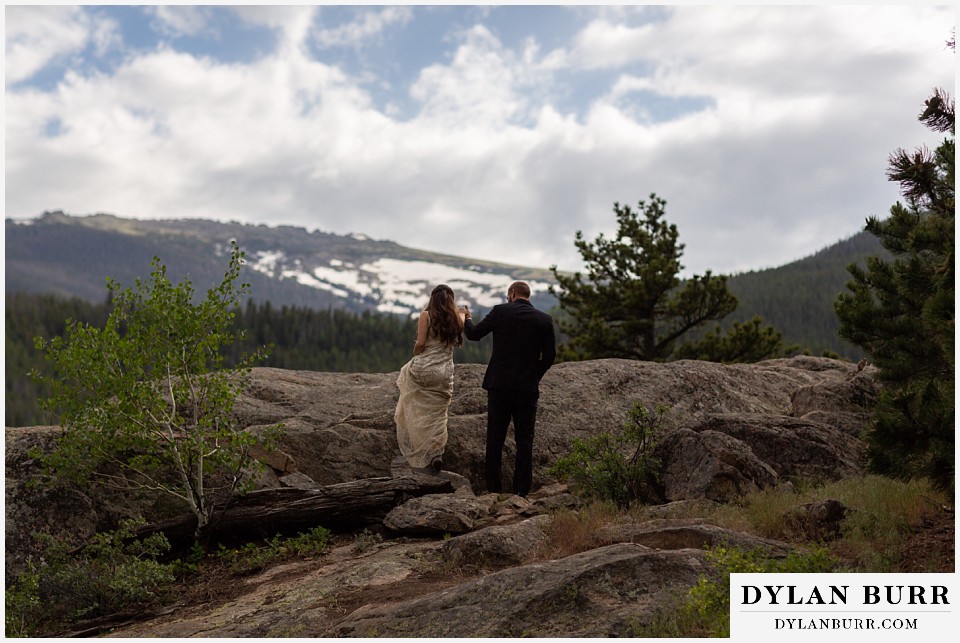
(267, 512)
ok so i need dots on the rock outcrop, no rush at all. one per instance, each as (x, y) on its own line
(498, 545)
(601, 592)
(460, 562)
(730, 429)
(339, 427)
(711, 465)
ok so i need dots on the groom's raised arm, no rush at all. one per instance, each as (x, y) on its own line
(479, 331)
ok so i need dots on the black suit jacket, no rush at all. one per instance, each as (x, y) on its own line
(524, 346)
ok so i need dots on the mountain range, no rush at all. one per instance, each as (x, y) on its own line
(73, 256)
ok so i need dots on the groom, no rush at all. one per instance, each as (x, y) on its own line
(523, 349)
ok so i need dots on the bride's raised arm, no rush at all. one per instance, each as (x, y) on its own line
(422, 326)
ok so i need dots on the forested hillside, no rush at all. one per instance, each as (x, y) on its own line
(797, 299)
(287, 266)
(303, 339)
(29, 316)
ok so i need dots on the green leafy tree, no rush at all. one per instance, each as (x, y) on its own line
(632, 303)
(144, 401)
(748, 342)
(901, 312)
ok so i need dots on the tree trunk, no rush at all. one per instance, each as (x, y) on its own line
(267, 512)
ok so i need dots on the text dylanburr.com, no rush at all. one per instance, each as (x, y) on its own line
(844, 607)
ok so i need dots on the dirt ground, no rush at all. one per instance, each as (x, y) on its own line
(931, 548)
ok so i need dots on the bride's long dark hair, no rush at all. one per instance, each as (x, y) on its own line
(445, 322)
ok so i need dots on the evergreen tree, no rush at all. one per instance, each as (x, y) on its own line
(901, 311)
(632, 303)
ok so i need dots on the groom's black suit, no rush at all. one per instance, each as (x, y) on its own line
(524, 348)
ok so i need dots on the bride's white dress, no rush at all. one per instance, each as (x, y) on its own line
(426, 388)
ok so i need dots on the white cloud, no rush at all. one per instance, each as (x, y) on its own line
(605, 44)
(795, 120)
(293, 22)
(785, 153)
(39, 35)
(181, 20)
(479, 87)
(369, 25)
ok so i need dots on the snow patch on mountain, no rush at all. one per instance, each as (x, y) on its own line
(267, 262)
(395, 285)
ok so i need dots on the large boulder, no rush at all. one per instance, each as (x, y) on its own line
(844, 405)
(439, 514)
(339, 427)
(711, 465)
(795, 448)
(598, 593)
(855, 393)
(499, 545)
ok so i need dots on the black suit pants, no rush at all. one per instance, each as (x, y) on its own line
(503, 406)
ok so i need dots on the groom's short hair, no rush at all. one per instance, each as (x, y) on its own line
(520, 289)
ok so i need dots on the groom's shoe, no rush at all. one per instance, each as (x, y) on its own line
(436, 465)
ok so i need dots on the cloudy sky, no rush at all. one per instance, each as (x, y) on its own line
(486, 132)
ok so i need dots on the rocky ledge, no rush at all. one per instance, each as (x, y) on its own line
(730, 430)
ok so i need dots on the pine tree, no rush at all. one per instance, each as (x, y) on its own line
(901, 312)
(632, 304)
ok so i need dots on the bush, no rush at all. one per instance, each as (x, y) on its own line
(365, 540)
(253, 558)
(23, 609)
(619, 468)
(114, 573)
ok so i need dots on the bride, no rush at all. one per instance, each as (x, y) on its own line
(426, 382)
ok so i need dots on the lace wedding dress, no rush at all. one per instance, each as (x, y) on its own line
(426, 388)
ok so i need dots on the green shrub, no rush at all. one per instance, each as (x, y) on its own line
(620, 468)
(117, 573)
(310, 543)
(23, 609)
(189, 565)
(113, 573)
(365, 540)
(253, 557)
